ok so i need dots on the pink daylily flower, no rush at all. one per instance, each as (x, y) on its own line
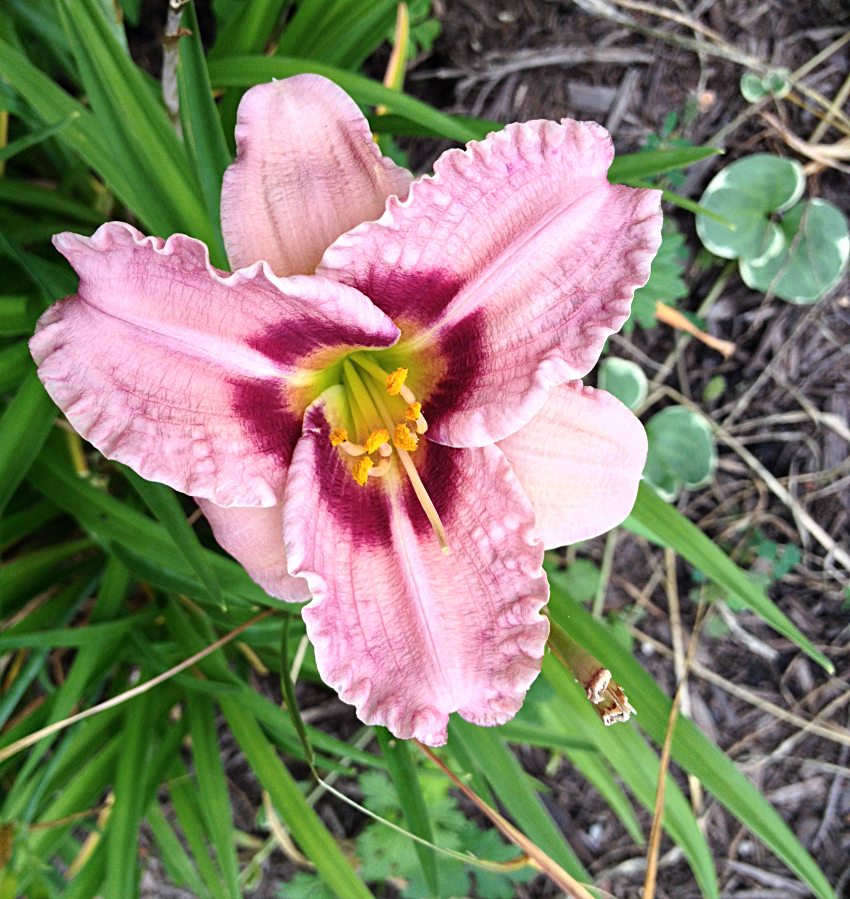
(381, 408)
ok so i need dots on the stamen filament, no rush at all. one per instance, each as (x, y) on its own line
(424, 499)
(352, 449)
(418, 487)
(368, 365)
(379, 470)
(362, 398)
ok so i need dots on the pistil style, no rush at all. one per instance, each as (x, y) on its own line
(425, 501)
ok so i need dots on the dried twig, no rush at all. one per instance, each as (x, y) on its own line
(833, 732)
(496, 67)
(801, 516)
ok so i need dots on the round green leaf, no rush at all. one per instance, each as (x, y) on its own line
(624, 379)
(778, 83)
(752, 87)
(715, 388)
(815, 247)
(682, 443)
(663, 481)
(748, 193)
(775, 83)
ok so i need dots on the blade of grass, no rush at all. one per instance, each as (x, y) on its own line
(342, 33)
(406, 782)
(213, 787)
(13, 317)
(249, 30)
(509, 782)
(13, 748)
(31, 668)
(637, 765)
(122, 846)
(691, 749)
(247, 33)
(31, 140)
(304, 824)
(110, 598)
(24, 427)
(174, 857)
(34, 196)
(655, 162)
(21, 524)
(29, 575)
(83, 135)
(93, 635)
(184, 798)
(164, 504)
(592, 764)
(674, 530)
(110, 521)
(534, 853)
(15, 364)
(81, 793)
(134, 120)
(201, 125)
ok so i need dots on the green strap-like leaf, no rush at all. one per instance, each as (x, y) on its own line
(654, 162)
(113, 522)
(163, 503)
(691, 749)
(201, 125)
(673, 529)
(134, 120)
(638, 766)
(83, 135)
(304, 824)
(510, 783)
(24, 427)
(406, 782)
(212, 785)
(126, 815)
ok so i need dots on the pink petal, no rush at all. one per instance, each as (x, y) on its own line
(254, 537)
(514, 263)
(186, 374)
(307, 170)
(579, 461)
(402, 631)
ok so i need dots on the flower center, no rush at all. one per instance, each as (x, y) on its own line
(381, 405)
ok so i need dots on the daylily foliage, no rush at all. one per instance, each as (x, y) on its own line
(381, 407)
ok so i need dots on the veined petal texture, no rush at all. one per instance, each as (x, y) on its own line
(191, 376)
(307, 171)
(579, 461)
(511, 265)
(402, 631)
(254, 537)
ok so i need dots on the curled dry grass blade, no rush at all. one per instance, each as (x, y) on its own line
(536, 856)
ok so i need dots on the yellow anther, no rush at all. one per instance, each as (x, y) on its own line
(360, 471)
(403, 439)
(395, 381)
(414, 410)
(375, 439)
(340, 435)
